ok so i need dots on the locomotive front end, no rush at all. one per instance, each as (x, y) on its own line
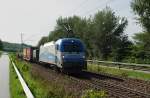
(72, 55)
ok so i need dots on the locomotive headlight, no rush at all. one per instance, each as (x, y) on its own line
(83, 57)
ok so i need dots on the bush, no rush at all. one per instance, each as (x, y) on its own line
(124, 74)
(94, 94)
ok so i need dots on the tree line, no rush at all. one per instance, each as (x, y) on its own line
(1, 44)
(104, 34)
(12, 47)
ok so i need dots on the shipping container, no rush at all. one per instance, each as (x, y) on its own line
(47, 53)
(28, 53)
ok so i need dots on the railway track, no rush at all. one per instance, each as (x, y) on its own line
(98, 87)
(126, 82)
(123, 92)
(105, 75)
(109, 83)
(114, 90)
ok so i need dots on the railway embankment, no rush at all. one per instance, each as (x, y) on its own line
(46, 83)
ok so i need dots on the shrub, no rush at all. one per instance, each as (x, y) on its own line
(94, 94)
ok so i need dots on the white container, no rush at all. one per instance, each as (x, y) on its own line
(47, 53)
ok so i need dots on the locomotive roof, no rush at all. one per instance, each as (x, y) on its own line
(49, 43)
(59, 41)
(69, 39)
(66, 39)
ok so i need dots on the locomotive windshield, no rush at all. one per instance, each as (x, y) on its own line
(70, 45)
(72, 48)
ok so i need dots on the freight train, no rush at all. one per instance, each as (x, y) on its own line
(66, 54)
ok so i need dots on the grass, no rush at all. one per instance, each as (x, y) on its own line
(55, 89)
(38, 87)
(16, 89)
(50, 89)
(94, 94)
(120, 72)
(1, 53)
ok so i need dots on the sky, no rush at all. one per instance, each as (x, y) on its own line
(36, 18)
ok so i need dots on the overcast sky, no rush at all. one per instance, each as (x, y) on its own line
(35, 18)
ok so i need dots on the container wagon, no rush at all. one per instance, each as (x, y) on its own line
(36, 55)
(28, 53)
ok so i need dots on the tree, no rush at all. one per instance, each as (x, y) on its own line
(142, 9)
(43, 40)
(142, 40)
(102, 33)
(122, 50)
(108, 31)
(1, 45)
(143, 47)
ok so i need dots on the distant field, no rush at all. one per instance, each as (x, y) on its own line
(120, 72)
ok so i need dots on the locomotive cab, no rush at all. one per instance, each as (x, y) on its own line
(70, 53)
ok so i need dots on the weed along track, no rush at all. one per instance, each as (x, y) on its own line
(58, 80)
